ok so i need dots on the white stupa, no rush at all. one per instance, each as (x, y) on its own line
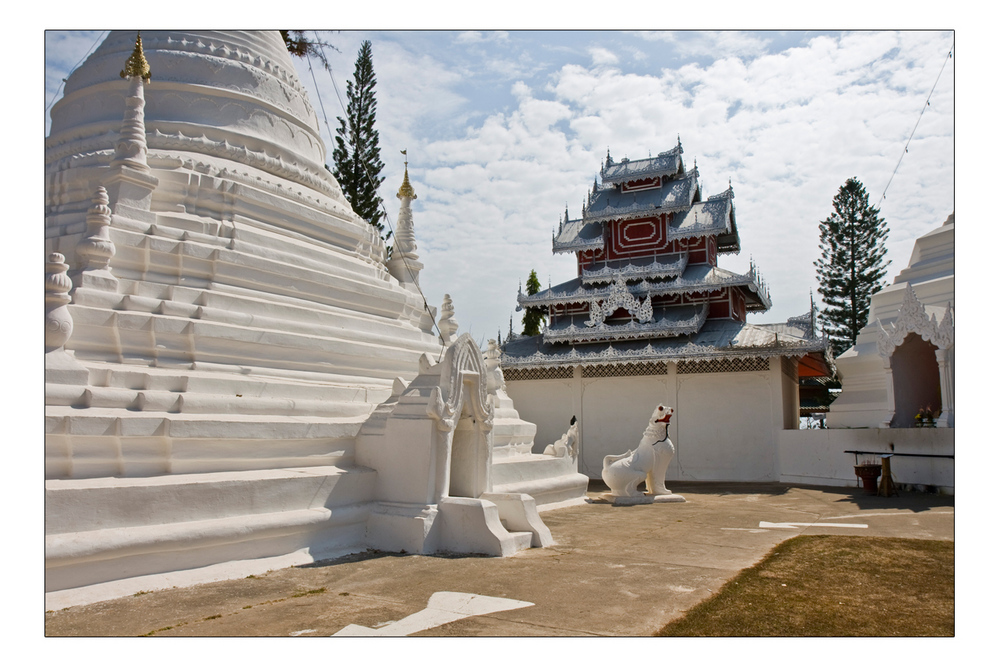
(219, 327)
(904, 361)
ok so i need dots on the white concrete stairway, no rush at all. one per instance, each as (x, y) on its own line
(141, 421)
(493, 524)
(551, 481)
(111, 529)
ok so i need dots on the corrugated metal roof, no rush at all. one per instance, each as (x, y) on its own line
(665, 164)
(612, 204)
(717, 339)
(576, 235)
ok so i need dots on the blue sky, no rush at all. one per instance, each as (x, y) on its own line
(506, 129)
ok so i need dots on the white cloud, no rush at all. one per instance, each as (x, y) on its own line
(477, 37)
(469, 37)
(787, 127)
(601, 56)
(692, 44)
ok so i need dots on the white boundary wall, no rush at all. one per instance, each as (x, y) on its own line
(728, 427)
(817, 456)
(725, 428)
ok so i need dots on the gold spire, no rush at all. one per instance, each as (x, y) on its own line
(137, 65)
(406, 190)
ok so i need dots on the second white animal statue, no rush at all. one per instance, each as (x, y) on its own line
(567, 444)
(648, 462)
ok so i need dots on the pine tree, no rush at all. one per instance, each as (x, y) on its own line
(356, 158)
(851, 266)
(532, 319)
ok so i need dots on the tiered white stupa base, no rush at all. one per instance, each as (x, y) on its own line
(107, 536)
(226, 327)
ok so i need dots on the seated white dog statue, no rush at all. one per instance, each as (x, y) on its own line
(566, 445)
(649, 461)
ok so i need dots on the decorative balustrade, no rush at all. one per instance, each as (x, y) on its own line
(669, 266)
(716, 279)
(629, 331)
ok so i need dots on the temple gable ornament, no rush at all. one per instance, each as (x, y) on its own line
(620, 297)
(913, 318)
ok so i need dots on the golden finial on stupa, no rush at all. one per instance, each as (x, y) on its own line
(406, 190)
(137, 65)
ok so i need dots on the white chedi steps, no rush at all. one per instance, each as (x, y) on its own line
(236, 273)
(230, 322)
(223, 326)
(553, 481)
(121, 530)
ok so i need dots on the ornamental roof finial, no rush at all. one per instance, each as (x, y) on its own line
(406, 190)
(136, 64)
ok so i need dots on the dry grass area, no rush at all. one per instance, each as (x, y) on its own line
(834, 586)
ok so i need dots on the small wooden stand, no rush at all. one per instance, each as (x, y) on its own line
(885, 486)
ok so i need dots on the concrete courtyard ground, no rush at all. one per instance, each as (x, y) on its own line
(614, 571)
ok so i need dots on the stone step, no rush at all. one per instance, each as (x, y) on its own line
(113, 335)
(102, 442)
(83, 505)
(187, 380)
(473, 525)
(103, 530)
(520, 540)
(530, 467)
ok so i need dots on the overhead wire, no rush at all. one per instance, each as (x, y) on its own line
(368, 175)
(100, 36)
(906, 148)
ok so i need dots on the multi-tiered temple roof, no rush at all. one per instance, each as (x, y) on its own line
(648, 285)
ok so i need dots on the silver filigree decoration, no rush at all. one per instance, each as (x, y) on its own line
(913, 318)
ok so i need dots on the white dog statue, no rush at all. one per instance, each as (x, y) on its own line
(649, 461)
(566, 445)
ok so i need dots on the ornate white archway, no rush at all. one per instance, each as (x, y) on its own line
(913, 319)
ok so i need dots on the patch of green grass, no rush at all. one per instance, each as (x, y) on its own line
(315, 591)
(834, 586)
(210, 618)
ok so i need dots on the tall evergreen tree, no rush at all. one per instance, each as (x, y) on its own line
(851, 267)
(532, 319)
(356, 159)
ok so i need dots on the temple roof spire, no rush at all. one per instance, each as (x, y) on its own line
(406, 190)
(136, 64)
(404, 265)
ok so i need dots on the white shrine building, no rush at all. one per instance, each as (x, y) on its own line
(652, 319)
(237, 379)
(904, 360)
(902, 365)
